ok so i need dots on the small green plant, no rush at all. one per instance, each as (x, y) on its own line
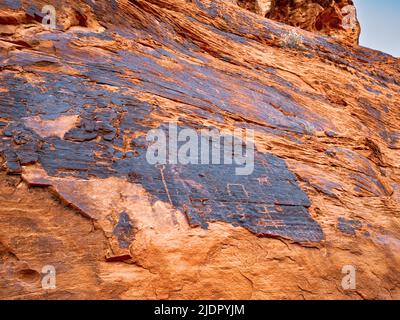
(292, 40)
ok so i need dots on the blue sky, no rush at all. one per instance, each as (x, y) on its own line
(380, 23)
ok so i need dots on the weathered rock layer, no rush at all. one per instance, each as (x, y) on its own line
(77, 192)
(337, 18)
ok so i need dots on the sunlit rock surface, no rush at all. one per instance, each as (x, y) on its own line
(77, 192)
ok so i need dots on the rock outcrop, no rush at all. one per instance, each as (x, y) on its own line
(78, 194)
(337, 18)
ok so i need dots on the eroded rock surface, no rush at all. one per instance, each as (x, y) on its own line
(337, 18)
(77, 192)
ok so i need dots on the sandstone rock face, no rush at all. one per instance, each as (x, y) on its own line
(78, 195)
(337, 18)
(262, 7)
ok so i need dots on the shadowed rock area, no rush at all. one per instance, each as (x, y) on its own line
(77, 192)
(337, 18)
